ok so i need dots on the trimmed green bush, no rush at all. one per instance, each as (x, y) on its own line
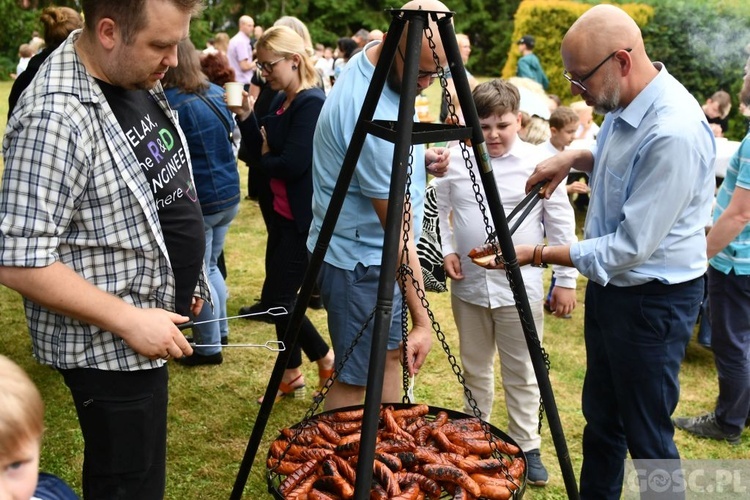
(548, 21)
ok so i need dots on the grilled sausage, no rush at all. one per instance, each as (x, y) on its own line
(430, 487)
(319, 495)
(494, 488)
(489, 465)
(297, 476)
(302, 489)
(452, 474)
(413, 412)
(345, 468)
(385, 477)
(336, 485)
(328, 433)
(392, 461)
(410, 492)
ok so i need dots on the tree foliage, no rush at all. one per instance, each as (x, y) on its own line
(489, 23)
(701, 41)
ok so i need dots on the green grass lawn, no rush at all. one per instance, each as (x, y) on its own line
(213, 409)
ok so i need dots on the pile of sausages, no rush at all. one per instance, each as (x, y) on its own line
(416, 457)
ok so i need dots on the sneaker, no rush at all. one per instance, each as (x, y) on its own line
(537, 473)
(258, 311)
(706, 426)
(198, 359)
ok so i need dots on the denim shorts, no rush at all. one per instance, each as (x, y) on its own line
(350, 297)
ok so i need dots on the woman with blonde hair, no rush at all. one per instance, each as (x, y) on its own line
(283, 140)
(221, 42)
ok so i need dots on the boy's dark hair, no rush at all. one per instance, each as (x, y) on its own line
(496, 97)
(562, 116)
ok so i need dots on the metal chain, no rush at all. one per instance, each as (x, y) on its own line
(513, 285)
(406, 226)
(480, 202)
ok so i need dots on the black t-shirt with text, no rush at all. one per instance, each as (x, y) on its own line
(164, 161)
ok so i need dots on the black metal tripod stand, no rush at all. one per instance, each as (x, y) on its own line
(403, 134)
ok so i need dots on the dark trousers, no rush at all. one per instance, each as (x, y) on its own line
(286, 263)
(704, 318)
(635, 342)
(730, 340)
(123, 417)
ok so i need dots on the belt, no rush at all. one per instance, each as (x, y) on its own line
(656, 287)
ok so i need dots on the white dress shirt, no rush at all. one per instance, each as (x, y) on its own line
(462, 227)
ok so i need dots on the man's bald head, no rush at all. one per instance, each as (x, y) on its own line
(605, 40)
(601, 30)
(432, 6)
(247, 25)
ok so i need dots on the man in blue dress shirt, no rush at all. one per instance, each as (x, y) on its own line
(644, 247)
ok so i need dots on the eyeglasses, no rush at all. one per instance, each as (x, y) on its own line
(579, 83)
(420, 73)
(268, 66)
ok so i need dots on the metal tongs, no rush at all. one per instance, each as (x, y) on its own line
(271, 345)
(527, 204)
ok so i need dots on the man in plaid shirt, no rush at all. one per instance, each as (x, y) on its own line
(102, 232)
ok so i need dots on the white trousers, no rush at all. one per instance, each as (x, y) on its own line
(481, 332)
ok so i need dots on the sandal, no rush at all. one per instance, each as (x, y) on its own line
(289, 389)
(323, 375)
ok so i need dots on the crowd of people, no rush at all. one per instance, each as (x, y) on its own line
(114, 231)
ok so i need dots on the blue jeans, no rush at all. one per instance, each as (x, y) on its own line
(216, 227)
(730, 318)
(635, 343)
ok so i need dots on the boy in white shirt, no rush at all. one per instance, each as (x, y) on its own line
(563, 124)
(482, 302)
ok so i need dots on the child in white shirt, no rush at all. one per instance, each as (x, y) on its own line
(482, 301)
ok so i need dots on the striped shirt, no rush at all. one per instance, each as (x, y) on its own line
(73, 192)
(735, 256)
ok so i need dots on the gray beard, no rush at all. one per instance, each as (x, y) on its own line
(611, 101)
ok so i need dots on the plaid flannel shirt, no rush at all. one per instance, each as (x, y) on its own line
(74, 192)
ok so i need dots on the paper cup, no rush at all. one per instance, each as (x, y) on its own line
(234, 93)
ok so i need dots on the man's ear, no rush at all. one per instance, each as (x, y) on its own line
(107, 33)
